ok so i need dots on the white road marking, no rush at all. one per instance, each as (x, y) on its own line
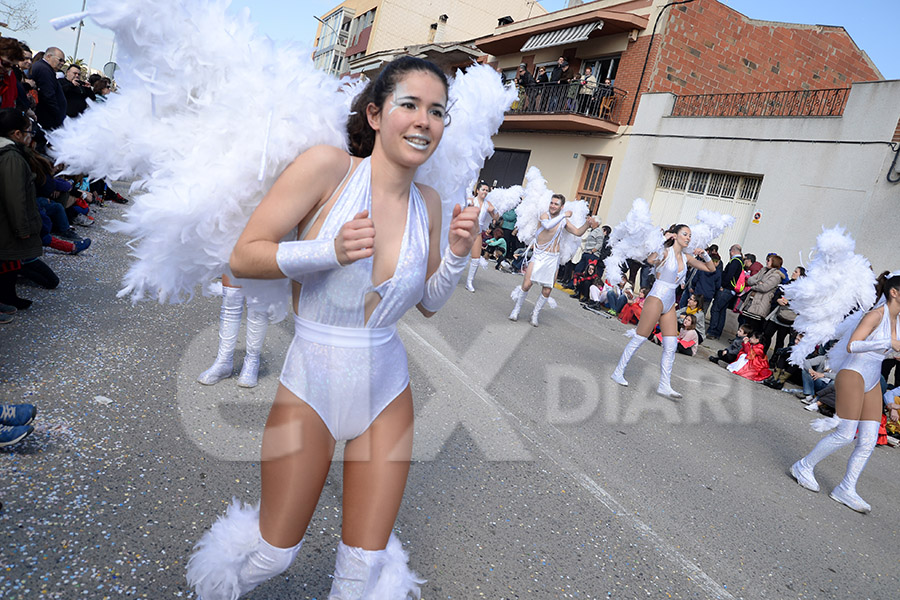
(690, 570)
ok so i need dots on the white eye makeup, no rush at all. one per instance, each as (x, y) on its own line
(402, 99)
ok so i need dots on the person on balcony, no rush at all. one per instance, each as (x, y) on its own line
(588, 86)
(524, 82)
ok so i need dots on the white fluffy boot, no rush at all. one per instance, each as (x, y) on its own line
(229, 325)
(470, 278)
(257, 323)
(374, 574)
(633, 344)
(541, 301)
(669, 345)
(803, 469)
(845, 492)
(232, 558)
(518, 294)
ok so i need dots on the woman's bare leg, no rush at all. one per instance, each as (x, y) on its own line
(296, 454)
(649, 317)
(650, 314)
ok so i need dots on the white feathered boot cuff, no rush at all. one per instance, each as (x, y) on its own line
(374, 574)
(232, 558)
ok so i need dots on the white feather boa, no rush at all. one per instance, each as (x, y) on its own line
(838, 281)
(636, 238)
(708, 227)
(208, 115)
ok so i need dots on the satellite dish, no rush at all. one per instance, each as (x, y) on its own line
(109, 69)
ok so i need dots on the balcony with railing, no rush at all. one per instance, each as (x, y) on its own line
(564, 108)
(794, 103)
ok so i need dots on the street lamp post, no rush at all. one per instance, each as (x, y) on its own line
(78, 37)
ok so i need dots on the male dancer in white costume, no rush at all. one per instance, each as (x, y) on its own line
(545, 261)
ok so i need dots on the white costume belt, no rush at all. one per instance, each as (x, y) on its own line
(342, 337)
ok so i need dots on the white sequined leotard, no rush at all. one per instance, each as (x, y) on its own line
(867, 364)
(348, 370)
(668, 278)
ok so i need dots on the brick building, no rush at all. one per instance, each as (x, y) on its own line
(703, 47)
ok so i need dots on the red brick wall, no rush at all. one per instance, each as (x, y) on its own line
(629, 72)
(710, 48)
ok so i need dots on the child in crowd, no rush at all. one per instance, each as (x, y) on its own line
(688, 341)
(694, 308)
(495, 247)
(630, 313)
(730, 354)
(752, 362)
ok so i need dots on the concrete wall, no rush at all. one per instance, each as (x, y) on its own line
(401, 23)
(554, 155)
(805, 185)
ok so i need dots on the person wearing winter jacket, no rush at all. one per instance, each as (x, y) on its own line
(762, 289)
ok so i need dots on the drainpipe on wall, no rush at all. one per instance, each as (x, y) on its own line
(637, 93)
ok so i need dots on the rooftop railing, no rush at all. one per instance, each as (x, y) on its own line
(795, 103)
(604, 102)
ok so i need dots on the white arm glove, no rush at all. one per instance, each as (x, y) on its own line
(550, 223)
(295, 259)
(441, 284)
(882, 345)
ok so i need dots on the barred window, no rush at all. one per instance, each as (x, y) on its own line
(706, 183)
(750, 187)
(673, 179)
(698, 182)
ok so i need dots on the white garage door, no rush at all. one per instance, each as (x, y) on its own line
(681, 193)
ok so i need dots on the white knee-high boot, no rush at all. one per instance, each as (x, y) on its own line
(374, 574)
(845, 492)
(470, 278)
(229, 325)
(257, 324)
(518, 294)
(669, 345)
(541, 301)
(803, 469)
(232, 558)
(633, 344)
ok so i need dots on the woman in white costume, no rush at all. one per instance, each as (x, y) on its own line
(229, 325)
(486, 215)
(671, 264)
(369, 250)
(857, 358)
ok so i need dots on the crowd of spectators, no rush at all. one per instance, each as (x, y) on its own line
(563, 90)
(40, 206)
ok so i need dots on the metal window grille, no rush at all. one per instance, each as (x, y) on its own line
(750, 188)
(698, 183)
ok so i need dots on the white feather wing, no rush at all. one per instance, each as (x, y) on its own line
(535, 202)
(636, 238)
(838, 281)
(709, 226)
(209, 114)
(568, 242)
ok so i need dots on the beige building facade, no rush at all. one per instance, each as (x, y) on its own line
(356, 29)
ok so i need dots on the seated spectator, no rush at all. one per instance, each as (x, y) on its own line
(695, 310)
(730, 354)
(688, 340)
(751, 363)
(816, 374)
(630, 313)
(495, 247)
(782, 369)
(584, 281)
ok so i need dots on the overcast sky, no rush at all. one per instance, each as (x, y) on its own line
(872, 23)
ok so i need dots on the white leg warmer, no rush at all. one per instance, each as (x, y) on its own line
(633, 344)
(470, 278)
(518, 294)
(803, 469)
(541, 301)
(232, 558)
(229, 325)
(845, 492)
(669, 345)
(374, 574)
(257, 324)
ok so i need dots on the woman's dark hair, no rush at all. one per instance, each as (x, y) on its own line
(13, 119)
(693, 322)
(11, 49)
(483, 183)
(802, 271)
(360, 133)
(885, 284)
(40, 166)
(673, 229)
(777, 261)
(100, 85)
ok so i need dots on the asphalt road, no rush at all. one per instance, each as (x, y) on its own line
(534, 475)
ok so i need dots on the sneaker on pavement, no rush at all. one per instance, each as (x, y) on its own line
(83, 221)
(11, 435)
(5, 318)
(6, 309)
(812, 406)
(80, 245)
(16, 415)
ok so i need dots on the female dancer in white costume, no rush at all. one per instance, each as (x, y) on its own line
(369, 251)
(486, 216)
(857, 357)
(671, 266)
